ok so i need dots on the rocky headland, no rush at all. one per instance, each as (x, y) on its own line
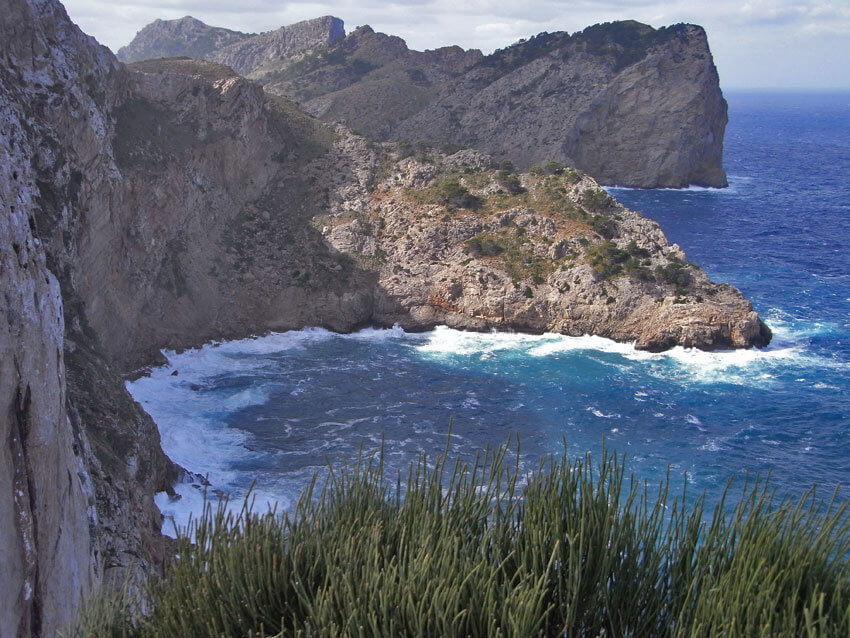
(627, 103)
(170, 202)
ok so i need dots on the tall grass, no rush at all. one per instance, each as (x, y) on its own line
(580, 549)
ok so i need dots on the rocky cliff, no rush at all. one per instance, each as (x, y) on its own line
(456, 241)
(266, 51)
(258, 217)
(171, 202)
(81, 460)
(627, 103)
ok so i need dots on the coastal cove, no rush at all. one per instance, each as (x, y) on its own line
(279, 407)
(232, 261)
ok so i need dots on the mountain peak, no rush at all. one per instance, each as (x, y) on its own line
(189, 37)
(186, 36)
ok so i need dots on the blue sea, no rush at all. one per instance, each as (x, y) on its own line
(275, 410)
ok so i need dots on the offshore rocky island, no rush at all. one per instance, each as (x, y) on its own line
(168, 202)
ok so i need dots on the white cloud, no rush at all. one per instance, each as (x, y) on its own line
(814, 33)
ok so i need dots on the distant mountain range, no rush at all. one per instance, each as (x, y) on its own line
(627, 103)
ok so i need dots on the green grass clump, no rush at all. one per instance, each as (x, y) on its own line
(582, 549)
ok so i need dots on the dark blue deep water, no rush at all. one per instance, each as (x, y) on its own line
(276, 409)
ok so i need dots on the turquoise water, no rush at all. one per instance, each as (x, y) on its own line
(274, 410)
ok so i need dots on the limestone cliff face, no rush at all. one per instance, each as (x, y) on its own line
(44, 483)
(627, 103)
(218, 188)
(172, 202)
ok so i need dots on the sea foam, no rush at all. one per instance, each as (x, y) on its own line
(739, 367)
(192, 407)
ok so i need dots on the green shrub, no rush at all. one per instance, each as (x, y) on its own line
(606, 259)
(596, 200)
(583, 549)
(511, 184)
(404, 148)
(675, 274)
(508, 180)
(633, 268)
(639, 253)
(453, 194)
(553, 168)
(603, 226)
(482, 245)
(572, 176)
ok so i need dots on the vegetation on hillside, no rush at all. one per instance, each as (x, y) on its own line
(625, 42)
(211, 71)
(477, 549)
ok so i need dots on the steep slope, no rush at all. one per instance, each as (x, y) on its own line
(44, 484)
(268, 51)
(81, 461)
(219, 184)
(369, 81)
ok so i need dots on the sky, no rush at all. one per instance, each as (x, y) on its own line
(756, 43)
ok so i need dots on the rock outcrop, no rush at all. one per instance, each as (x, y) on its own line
(457, 242)
(171, 202)
(263, 53)
(626, 103)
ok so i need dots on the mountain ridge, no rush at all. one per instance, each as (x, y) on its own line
(628, 103)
